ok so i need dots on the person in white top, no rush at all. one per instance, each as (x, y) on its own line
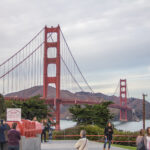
(140, 140)
(82, 143)
(147, 139)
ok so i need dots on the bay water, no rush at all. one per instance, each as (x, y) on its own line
(125, 126)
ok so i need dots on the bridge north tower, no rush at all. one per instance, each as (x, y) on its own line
(123, 100)
(48, 61)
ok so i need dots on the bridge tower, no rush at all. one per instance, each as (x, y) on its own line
(48, 61)
(123, 99)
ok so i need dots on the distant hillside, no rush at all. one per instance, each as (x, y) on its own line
(134, 103)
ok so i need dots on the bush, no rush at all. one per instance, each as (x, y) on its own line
(95, 130)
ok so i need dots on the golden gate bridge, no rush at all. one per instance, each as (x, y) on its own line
(47, 60)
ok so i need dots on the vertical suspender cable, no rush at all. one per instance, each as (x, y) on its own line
(12, 74)
(8, 79)
(4, 81)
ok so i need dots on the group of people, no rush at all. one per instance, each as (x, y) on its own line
(143, 141)
(9, 135)
(82, 143)
(46, 127)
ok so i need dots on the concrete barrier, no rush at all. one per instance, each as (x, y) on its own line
(33, 143)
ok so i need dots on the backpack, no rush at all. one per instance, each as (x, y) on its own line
(141, 145)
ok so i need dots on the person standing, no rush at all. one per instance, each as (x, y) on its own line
(34, 118)
(147, 139)
(44, 128)
(82, 144)
(13, 138)
(140, 140)
(108, 132)
(3, 127)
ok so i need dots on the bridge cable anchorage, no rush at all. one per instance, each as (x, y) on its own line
(69, 70)
(76, 63)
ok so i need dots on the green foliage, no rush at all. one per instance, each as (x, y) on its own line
(125, 147)
(127, 137)
(31, 108)
(96, 130)
(2, 106)
(90, 130)
(98, 114)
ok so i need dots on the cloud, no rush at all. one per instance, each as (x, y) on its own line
(105, 36)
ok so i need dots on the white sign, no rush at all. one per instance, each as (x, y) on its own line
(13, 114)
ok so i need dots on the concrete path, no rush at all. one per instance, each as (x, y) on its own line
(69, 144)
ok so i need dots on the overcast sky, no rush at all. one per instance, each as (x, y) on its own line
(110, 39)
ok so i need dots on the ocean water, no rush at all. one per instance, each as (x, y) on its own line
(131, 126)
(125, 126)
(64, 124)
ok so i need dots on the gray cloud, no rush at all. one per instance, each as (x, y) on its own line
(104, 36)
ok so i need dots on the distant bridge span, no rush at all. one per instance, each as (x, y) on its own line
(63, 101)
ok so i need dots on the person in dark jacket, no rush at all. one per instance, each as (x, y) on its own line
(44, 129)
(108, 132)
(13, 138)
(3, 127)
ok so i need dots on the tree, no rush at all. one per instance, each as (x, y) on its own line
(98, 114)
(2, 106)
(31, 108)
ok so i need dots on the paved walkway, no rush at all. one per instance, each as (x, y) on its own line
(69, 144)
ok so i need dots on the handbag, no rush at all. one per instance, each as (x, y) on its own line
(84, 145)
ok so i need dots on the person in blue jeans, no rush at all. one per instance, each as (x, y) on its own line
(3, 127)
(13, 138)
(108, 132)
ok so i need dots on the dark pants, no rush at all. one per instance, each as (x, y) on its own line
(43, 133)
(2, 146)
(12, 147)
(50, 136)
(109, 143)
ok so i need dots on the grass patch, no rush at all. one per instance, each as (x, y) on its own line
(126, 147)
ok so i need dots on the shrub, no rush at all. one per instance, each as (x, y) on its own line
(95, 130)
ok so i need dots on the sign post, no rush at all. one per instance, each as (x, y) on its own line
(13, 114)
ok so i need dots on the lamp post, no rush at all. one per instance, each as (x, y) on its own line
(144, 95)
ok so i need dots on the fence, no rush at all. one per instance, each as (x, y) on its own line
(117, 139)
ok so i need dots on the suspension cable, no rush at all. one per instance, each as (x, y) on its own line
(76, 63)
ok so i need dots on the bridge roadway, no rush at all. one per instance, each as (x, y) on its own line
(63, 101)
(69, 145)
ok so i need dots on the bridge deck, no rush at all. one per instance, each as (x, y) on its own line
(72, 102)
(69, 144)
